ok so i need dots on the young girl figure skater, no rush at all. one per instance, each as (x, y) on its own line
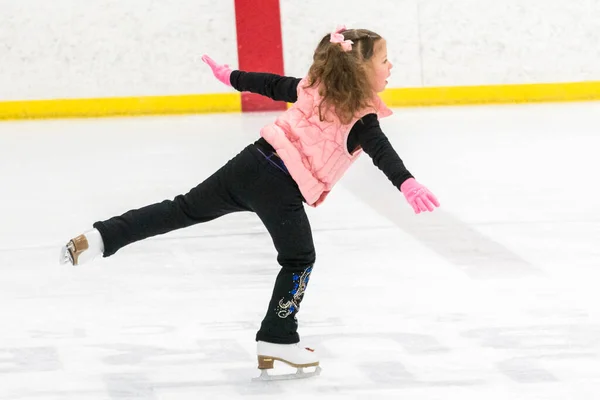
(298, 159)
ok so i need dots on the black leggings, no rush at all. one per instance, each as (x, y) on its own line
(248, 182)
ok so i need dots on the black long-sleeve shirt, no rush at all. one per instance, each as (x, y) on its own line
(366, 132)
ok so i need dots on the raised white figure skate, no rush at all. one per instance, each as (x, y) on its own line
(293, 355)
(82, 248)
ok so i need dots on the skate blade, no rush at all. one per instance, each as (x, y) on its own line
(300, 374)
(65, 256)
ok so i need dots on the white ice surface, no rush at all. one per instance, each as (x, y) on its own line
(493, 296)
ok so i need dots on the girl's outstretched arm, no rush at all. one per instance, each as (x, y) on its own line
(367, 134)
(276, 87)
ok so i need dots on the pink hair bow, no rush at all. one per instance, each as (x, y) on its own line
(337, 37)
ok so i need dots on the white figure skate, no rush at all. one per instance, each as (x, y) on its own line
(82, 249)
(293, 355)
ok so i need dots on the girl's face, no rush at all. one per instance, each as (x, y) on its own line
(380, 67)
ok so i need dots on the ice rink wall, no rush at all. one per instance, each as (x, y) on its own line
(72, 58)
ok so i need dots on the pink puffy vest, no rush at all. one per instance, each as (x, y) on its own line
(315, 152)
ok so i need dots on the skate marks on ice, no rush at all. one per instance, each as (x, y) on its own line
(479, 256)
(478, 358)
(29, 360)
(557, 354)
(535, 349)
(382, 365)
(85, 369)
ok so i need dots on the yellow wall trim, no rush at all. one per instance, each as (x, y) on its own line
(492, 94)
(121, 106)
(231, 102)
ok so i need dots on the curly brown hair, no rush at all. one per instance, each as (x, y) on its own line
(342, 76)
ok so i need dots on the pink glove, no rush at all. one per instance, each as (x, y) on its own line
(418, 196)
(221, 72)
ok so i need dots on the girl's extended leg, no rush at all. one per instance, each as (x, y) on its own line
(207, 201)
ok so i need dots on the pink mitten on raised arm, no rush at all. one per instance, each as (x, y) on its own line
(418, 196)
(221, 72)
